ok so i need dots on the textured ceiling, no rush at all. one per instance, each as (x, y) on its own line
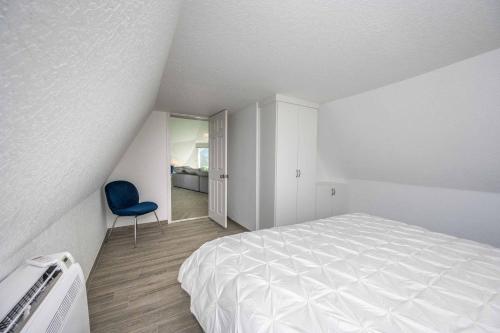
(77, 79)
(227, 54)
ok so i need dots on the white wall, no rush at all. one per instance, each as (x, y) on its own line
(243, 167)
(184, 135)
(78, 79)
(80, 231)
(466, 214)
(146, 165)
(267, 168)
(438, 131)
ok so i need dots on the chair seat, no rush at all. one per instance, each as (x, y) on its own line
(139, 209)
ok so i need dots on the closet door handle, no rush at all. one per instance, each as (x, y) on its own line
(299, 173)
(333, 191)
(296, 173)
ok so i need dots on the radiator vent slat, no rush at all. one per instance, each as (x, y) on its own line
(20, 312)
(57, 321)
(55, 325)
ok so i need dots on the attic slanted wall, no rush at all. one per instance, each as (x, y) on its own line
(80, 231)
(77, 80)
(439, 129)
(423, 151)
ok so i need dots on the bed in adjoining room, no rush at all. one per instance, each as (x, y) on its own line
(350, 273)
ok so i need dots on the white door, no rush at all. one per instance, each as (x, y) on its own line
(286, 164)
(217, 170)
(308, 124)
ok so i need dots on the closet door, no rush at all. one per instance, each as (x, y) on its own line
(324, 200)
(307, 138)
(286, 164)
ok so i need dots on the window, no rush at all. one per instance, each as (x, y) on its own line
(203, 158)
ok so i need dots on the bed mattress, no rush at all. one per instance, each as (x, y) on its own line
(350, 273)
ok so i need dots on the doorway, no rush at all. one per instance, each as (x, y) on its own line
(189, 163)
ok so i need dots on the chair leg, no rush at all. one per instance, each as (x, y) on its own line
(112, 227)
(135, 232)
(157, 219)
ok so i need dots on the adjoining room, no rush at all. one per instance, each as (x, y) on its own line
(189, 162)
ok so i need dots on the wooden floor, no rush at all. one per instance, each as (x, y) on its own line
(136, 289)
(188, 204)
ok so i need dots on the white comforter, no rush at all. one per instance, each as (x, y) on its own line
(351, 273)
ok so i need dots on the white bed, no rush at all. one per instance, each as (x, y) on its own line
(350, 273)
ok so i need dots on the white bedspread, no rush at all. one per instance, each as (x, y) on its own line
(351, 273)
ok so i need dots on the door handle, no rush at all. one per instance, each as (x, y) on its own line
(299, 172)
(333, 191)
(296, 173)
(224, 176)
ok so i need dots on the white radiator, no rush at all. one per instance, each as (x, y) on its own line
(46, 294)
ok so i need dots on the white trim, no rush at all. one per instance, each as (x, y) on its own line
(208, 118)
(289, 100)
(188, 116)
(275, 161)
(332, 181)
(169, 178)
(257, 168)
(191, 219)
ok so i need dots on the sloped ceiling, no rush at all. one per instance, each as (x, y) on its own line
(439, 129)
(77, 80)
(227, 54)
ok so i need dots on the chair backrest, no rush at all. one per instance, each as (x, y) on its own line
(121, 194)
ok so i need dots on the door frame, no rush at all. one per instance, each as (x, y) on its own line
(169, 158)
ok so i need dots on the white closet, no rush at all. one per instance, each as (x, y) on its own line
(288, 135)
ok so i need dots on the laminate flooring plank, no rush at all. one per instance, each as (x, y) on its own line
(136, 289)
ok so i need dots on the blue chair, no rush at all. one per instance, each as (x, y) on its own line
(123, 200)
